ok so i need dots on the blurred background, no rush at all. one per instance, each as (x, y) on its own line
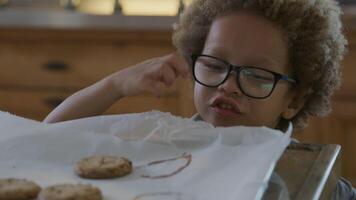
(51, 48)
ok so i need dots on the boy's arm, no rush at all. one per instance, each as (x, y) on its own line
(150, 76)
(91, 101)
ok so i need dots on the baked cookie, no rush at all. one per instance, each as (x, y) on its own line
(18, 189)
(103, 167)
(70, 192)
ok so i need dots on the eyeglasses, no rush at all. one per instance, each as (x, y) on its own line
(254, 82)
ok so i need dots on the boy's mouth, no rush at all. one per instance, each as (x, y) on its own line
(225, 107)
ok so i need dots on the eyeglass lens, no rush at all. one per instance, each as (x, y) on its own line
(254, 82)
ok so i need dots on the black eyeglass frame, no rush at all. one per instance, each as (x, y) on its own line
(238, 69)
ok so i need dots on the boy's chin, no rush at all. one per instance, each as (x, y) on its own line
(226, 123)
(222, 123)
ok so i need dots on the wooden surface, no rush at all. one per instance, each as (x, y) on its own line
(308, 172)
(43, 67)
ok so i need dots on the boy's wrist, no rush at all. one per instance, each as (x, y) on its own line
(112, 88)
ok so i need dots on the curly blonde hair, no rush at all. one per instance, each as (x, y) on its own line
(313, 31)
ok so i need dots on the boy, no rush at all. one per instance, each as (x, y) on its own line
(254, 62)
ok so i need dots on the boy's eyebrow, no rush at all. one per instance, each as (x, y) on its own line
(214, 51)
(261, 60)
(256, 60)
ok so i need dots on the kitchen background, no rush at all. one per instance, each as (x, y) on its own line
(51, 48)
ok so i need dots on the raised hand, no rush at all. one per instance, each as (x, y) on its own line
(150, 76)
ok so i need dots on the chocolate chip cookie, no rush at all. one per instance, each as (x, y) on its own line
(103, 167)
(70, 192)
(18, 189)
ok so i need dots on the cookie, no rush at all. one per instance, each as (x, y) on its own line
(18, 189)
(70, 192)
(103, 167)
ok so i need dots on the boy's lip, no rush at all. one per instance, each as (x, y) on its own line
(221, 99)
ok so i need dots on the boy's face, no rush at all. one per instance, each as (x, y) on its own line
(245, 39)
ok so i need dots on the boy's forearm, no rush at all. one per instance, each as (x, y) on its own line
(91, 101)
(149, 76)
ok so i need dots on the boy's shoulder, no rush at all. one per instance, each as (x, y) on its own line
(344, 190)
(196, 117)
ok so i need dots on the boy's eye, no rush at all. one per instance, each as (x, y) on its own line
(215, 67)
(258, 75)
(211, 64)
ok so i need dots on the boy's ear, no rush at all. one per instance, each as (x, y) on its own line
(293, 108)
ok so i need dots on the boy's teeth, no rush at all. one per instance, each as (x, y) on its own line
(225, 106)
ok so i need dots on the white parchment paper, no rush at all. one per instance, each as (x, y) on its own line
(174, 158)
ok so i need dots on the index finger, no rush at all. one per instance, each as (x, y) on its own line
(179, 64)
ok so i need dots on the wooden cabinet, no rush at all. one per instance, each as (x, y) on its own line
(40, 68)
(67, 64)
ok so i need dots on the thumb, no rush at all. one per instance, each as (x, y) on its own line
(156, 88)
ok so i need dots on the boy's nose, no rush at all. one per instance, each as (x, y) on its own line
(230, 86)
